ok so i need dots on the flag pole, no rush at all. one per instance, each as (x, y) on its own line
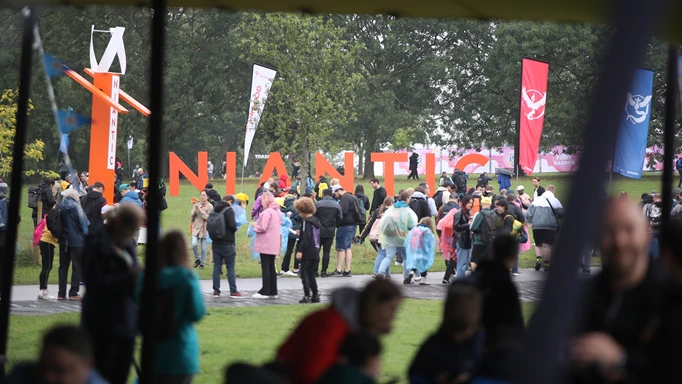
(241, 188)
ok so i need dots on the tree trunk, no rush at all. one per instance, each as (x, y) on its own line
(367, 158)
(305, 163)
(361, 163)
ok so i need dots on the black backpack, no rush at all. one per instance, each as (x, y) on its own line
(438, 199)
(34, 196)
(360, 213)
(460, 181)
(54, 222)
(487, 228)
(216, 224)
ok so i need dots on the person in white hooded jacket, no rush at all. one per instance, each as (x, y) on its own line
(543, 217)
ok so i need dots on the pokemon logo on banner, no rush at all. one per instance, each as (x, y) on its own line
(634, 127)
(534, 75)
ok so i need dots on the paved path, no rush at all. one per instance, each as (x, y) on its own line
(24, 298)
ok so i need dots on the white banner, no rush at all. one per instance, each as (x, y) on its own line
(260, 85)
(113, 123)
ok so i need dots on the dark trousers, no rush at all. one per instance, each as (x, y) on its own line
(450, 266)
(67, 255)
(308, 270)
(291, 245)
(413, 175)
(224, 253)
(679, 185)
(326, 244)
(267, 266)
(47, 255)
(113, 356)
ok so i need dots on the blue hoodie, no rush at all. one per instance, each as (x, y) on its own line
(179, 355)
(132, 198)
(74, 223)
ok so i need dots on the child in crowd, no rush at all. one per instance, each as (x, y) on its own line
(420, 248)
(360, 361)
(308, 249)
(452, 354)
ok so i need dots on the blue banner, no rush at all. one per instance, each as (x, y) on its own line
(628, 159)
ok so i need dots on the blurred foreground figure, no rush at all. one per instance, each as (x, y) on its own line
(667, 344)
(621, 305)
(66, 358)
(314, 346)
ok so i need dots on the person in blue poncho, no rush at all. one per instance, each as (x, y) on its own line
(420, 248)
(504, 181)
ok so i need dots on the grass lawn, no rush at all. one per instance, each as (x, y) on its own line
(252, 334)
(177, 217)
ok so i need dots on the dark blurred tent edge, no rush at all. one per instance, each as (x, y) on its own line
(576, 11)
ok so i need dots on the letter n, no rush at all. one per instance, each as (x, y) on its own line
(177, 167)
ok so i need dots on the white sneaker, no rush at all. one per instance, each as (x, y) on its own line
(273, 297)
(259, 296)
(423, 281)
(289, 273)
(45, 296)
(397, 263)
(516, 273)
(418, 278)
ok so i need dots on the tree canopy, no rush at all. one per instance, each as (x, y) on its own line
(362, 83)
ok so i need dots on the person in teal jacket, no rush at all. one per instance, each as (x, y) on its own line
(177, 357)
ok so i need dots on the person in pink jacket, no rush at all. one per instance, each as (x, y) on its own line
(269, 244)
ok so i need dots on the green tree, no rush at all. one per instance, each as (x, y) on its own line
(33, 151)
(315, 78)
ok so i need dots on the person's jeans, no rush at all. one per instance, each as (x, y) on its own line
(390, 252)
(463, 259)
(308, 269)
(400, 255)
(68, 255)
(585, 260)
(267, 265)
(326, 252)
(679, 185)
(224, 253)
(47, 256)
(381, 255)
(291, 245)
(516, 266)
(195, 247)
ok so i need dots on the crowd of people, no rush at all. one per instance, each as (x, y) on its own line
(624, 330)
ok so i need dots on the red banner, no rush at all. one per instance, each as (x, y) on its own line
(533, 97)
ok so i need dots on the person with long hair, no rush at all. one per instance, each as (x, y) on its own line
(199, 217)
(269, 244)
(109, 307)
(177, 354)
(372, 230)
(364, 204)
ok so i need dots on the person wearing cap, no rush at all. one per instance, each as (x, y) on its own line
(444, 178)
(345, 231)
(676, 196)
(524, 198)
(480, 249)
(213, 195)
(128, 196)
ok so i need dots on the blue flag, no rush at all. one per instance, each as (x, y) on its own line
(53, 66)
(628, 159)
(64, 144)
(69, 121)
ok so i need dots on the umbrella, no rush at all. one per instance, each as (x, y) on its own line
(504, 171)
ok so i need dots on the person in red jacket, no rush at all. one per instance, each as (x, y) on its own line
(313, 347)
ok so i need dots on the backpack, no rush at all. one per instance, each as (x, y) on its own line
(4, 213)
(54, 222)
(374, 231)
(488, 228)
(360, 213)
(416, 207)
(363, 209)
(516, 227)
(460, 181)
(320, 189)
(34, 196)
(438, 199)
(216, 224)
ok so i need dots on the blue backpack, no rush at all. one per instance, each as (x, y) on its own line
(4, 213)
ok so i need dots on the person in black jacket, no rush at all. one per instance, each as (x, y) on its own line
(213, 195)
(419, 203)
(452, 354)
(379, 194)
(345, 233)
(109, 306)
(501, 306)
(92, 204)
(308, 249)
(462, 236)
(224, 250)
(414, 164)
(538, 189)
(621, 307)
(329, 213)
(46, 199)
